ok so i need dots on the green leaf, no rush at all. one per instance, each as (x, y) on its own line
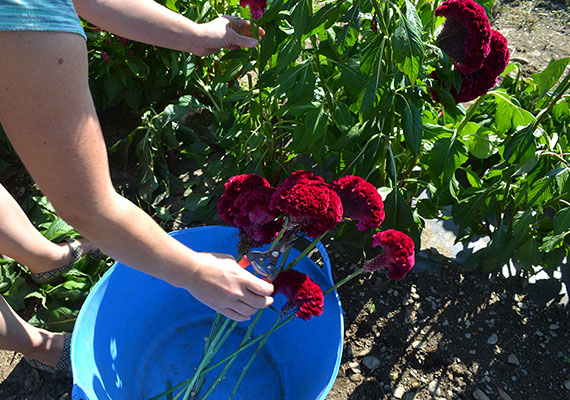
(483, 143)
(342, 117)
(398, 213)
(326, 15)
(411, 124)
(551, 74)
(408, 44)
(509, 115)
(528, 254)
(372, 55)
(349, 32)
(288, 53)
(446, 156)
(316, 124)
(195, 201)
(551, 242)
(300, 17)
(562, 221)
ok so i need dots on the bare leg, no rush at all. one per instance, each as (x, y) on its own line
(17, 335)
(20, 240)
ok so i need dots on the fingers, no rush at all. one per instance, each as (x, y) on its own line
(243, 27)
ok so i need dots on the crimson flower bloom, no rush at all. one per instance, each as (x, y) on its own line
(233, 188)
(253, 216)
(301, 292)
(398, 256)
(256, 7)
(310, 203)
(481, 81)
(360, 201)
(245, 204)
(466, 34)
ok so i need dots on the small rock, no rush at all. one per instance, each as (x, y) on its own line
(468, 335)
(478, 394)
(434, 388)
(355, 367)
(65, 396)
(356, 378)
(554, 326)
(512, 359)
(538, 333)
(371, 362)
(399, 392)
(493, 339)
(473, 352)
(567, 384)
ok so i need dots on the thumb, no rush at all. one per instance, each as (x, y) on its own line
(235, 39)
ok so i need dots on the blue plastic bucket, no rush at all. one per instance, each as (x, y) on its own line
(136, 334)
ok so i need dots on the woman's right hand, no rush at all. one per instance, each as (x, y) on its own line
(221, 284)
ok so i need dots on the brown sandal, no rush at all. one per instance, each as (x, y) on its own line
(51, 276)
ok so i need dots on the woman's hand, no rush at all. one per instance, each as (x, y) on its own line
(225, 32)
(221, 284)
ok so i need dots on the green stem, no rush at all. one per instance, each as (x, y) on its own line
(306, 251)
(246, 346)
(256, 352)
(223, 373)
(469, 115)
(345, 280)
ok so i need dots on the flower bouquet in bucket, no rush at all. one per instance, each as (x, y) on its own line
(302, 209)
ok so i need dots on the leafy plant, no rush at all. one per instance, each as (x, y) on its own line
(57, 305)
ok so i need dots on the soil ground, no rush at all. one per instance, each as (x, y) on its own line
(441, 333)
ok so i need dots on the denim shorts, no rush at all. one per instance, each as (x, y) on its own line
(40, 15)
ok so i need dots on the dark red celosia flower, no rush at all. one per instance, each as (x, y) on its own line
(291, 181)
(301, 292)
(256, 7)
(360, 201)
(253, 216)
(480, 82)
(311, 204)
(398, 256)
(466, 33)
(233, 188)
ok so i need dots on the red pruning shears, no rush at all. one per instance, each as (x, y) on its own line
(259, 258)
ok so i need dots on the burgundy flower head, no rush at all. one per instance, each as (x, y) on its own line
(480, 82)
(360, 201)
(301, 291)
(466, 33)
(253, 216)
(256, 7)
(398, 256)
(289, 182)
(233, 188)
(311, 204)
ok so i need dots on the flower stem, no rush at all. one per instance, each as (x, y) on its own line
(245, 346)
(306, 251)
(223, 373)
(256, 352)
(345, 280)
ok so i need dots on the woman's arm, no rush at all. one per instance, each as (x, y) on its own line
(149, 22)
(48, 114)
